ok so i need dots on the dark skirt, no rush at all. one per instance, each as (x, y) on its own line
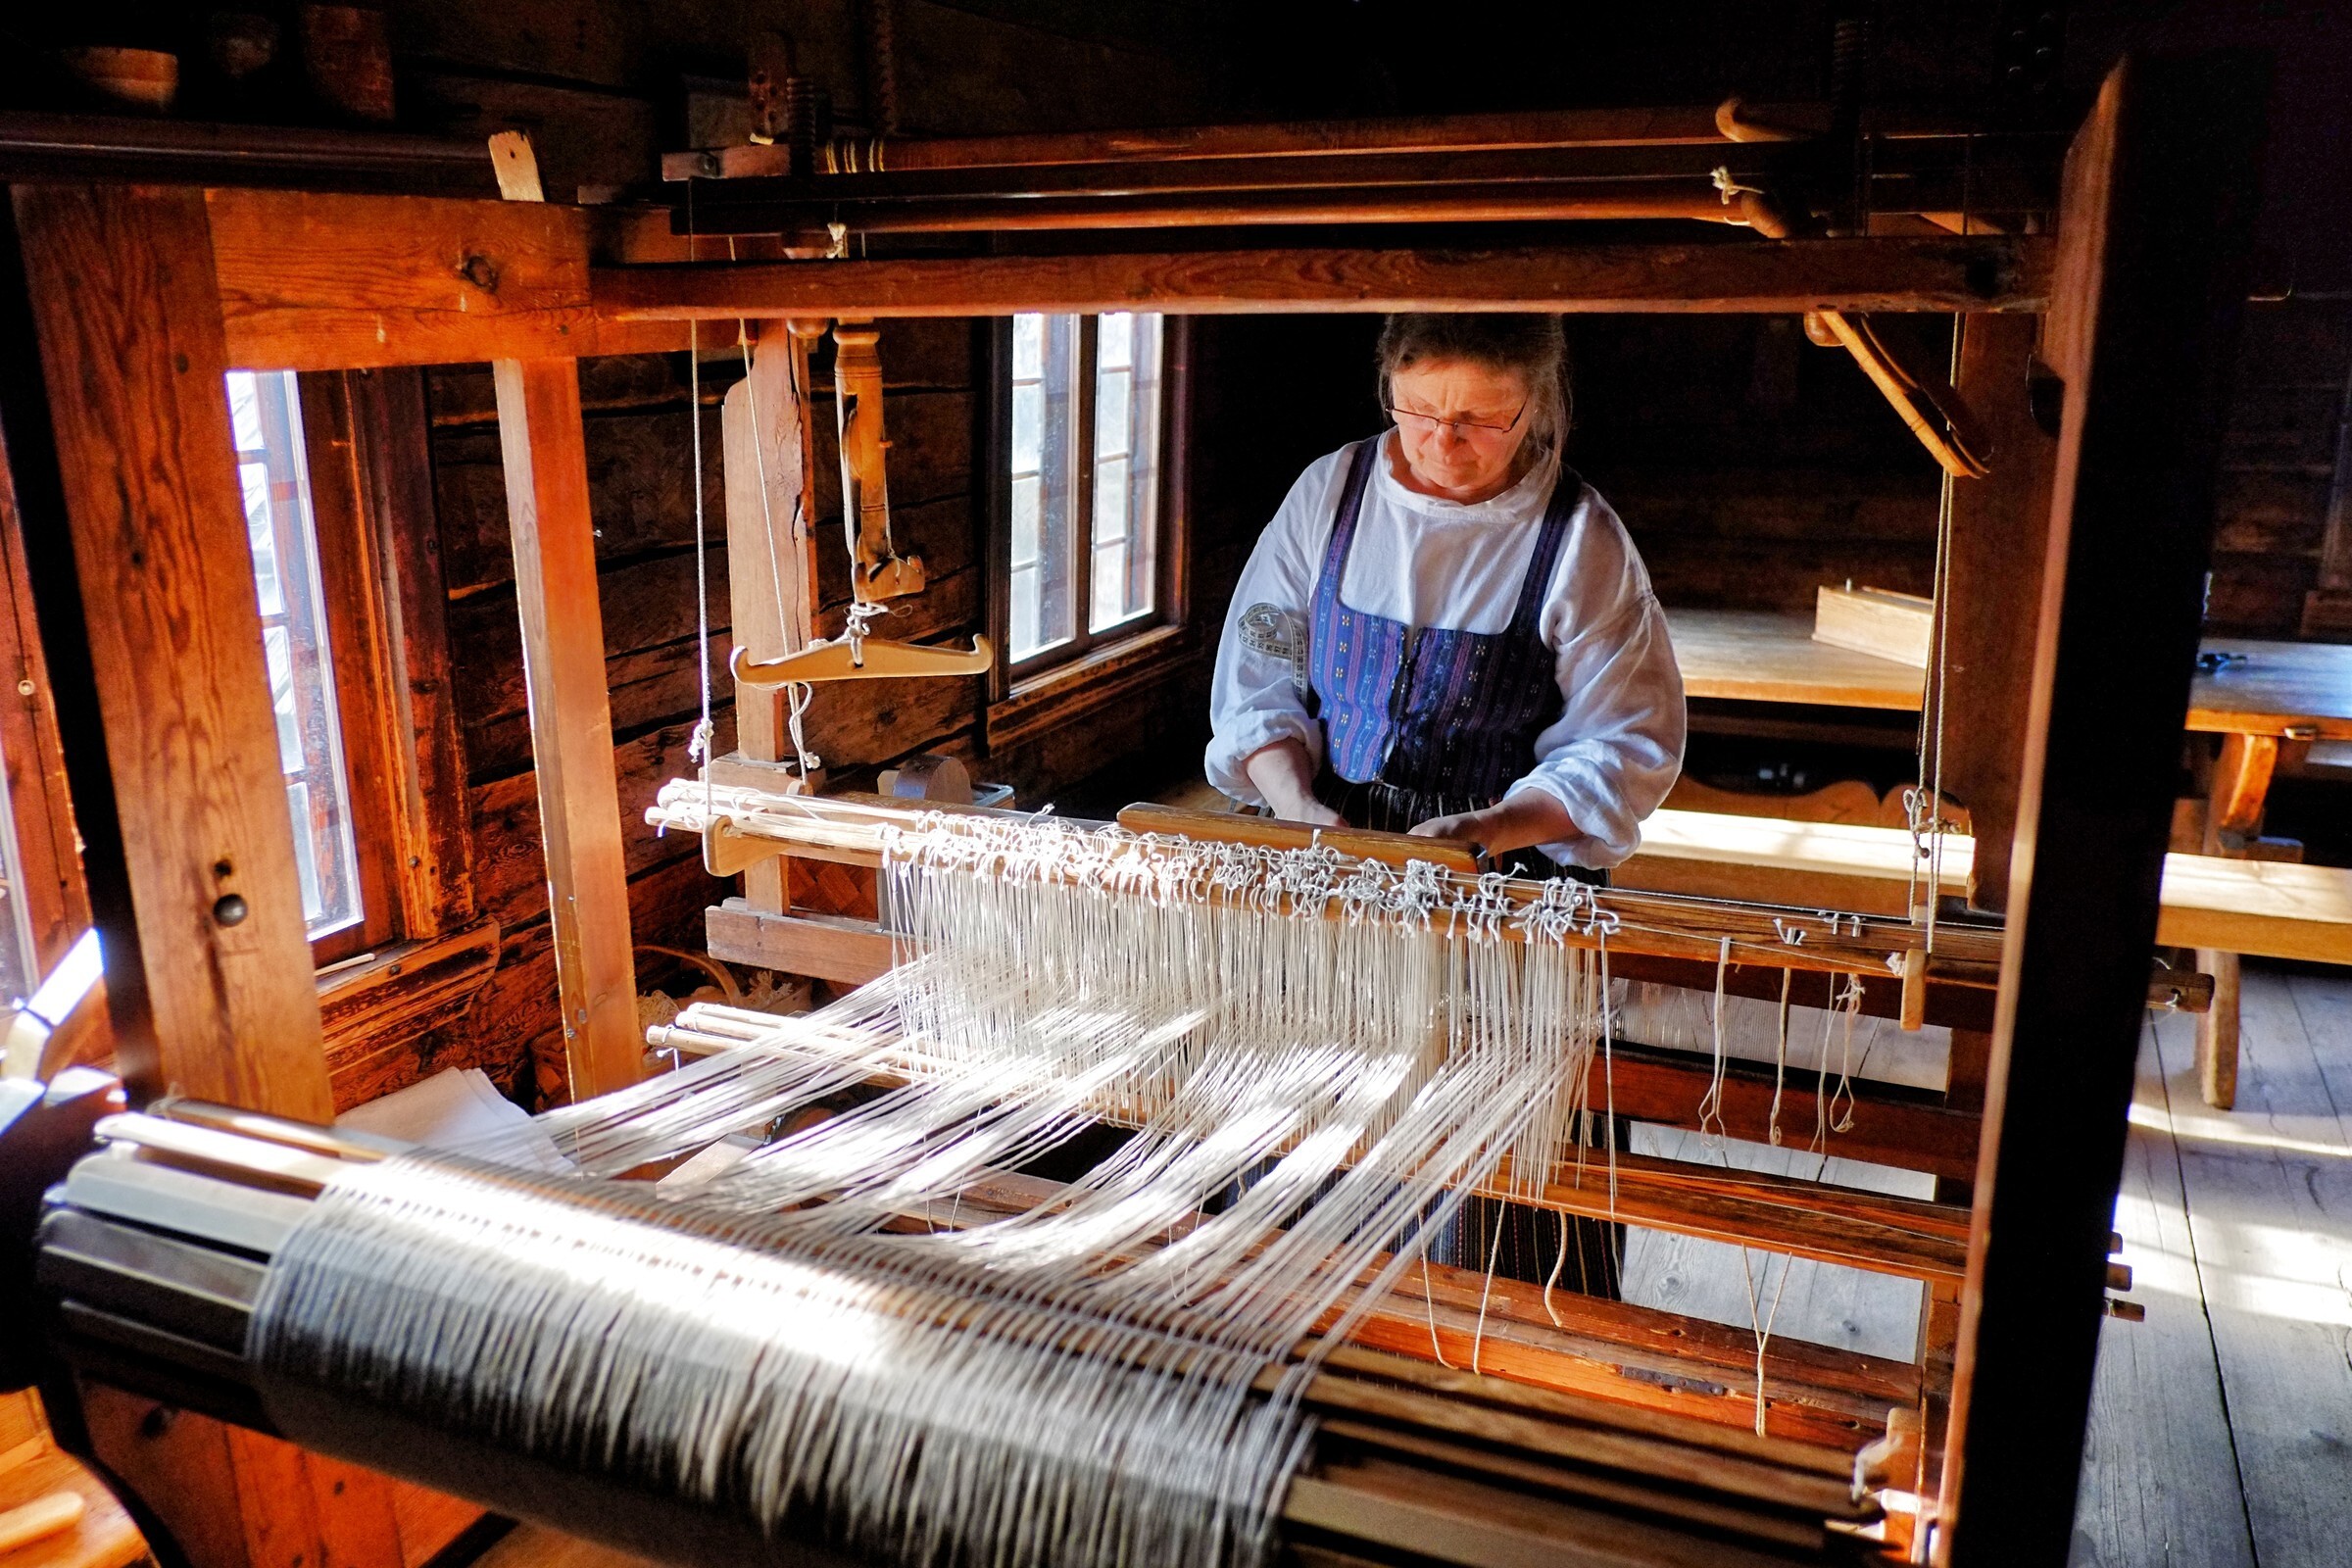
(1385, 807)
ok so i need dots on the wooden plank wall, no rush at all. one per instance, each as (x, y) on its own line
(2282, 471)
(1751, 465)
(640, 462)
(595, 83)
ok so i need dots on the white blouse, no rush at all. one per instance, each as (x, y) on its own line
(1615, 749)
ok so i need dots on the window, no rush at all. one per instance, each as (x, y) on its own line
(273, 474)
(19, 963)
(1086, 492)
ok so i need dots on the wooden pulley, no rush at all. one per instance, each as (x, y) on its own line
(876, 570)
(928, 776)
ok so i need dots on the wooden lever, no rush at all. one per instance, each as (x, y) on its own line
(1921, 400)
(1222, 827)
(863, 658)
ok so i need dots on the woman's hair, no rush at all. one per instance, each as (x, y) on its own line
(1532, 345)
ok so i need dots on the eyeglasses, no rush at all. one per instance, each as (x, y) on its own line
(1461, 427)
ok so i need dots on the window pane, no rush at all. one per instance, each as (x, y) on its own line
(254, 477)
(306, 853)
(1111, 503)
(1045, 476)
(245, 410)
(1028, 347)
(19, 970)
(1126, 470)
(1113, 397)
(1028, 523)
(1113, 334)
(273, 471)
(278, 649)
(1028, 426)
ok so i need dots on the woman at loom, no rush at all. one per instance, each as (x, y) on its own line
(1446, 632)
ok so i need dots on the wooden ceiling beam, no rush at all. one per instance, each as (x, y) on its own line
(310, 281)
(1780, 278)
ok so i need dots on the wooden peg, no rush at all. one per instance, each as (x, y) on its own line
(51, 1515)
(1915, 989)
(728, 850)
(516, 166)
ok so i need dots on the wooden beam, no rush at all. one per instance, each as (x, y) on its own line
(2000, 528)
(771, 547)
(571, 719)
(121, 285)
(2156, 217)
(330, 282)
(1906, 1129)
(771, 521)
(1993, 274)
(1911, 1237)
(209, 980)
(829, 946)
(2218, 1030)
(392, 454)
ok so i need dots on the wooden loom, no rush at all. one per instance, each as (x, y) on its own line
(199, 283)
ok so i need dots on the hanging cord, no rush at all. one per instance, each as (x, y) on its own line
(697, 745)
(1711, 1105)
(1842, 1121)
(1763, 1328)
(1608, 1079)
(1943, 626)
(1429, 1300)
(1493, 1255)
(1922, 805)
(1780, 1062)
(1608, 1067)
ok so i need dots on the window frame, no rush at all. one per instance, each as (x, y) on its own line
(300, 555)
(365, 438)
(1086, 648)
(51, 890)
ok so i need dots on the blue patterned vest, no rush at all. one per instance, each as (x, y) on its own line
(1439, 714)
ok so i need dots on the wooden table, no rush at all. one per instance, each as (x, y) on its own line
(2262, 698)
(2279, 691)
(1760, 655)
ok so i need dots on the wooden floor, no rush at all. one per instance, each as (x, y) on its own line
(2221, 1431)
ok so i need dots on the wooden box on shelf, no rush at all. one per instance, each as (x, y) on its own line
(1877, 621)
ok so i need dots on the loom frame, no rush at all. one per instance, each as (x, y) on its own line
(171, 286)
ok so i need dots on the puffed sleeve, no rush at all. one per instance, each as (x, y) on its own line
(1257, 695)
(1617, 746)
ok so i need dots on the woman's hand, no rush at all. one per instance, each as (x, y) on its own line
(1531, 816)
(1286, 776)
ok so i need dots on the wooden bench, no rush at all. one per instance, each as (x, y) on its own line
(2221, 907)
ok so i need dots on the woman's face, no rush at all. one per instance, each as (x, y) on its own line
(1460, 425)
